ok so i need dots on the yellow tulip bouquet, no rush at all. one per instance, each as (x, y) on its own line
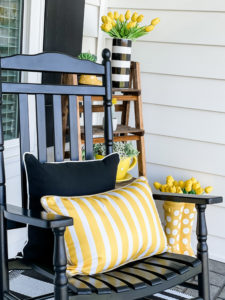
(126, 26)
(179, 217)
(191, 186)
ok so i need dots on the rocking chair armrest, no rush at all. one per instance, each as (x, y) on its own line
(42, 219)
(188, 198)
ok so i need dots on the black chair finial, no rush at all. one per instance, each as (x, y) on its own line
(106, 54)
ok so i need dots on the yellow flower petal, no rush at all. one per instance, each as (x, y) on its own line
(121, 18)
(196, 186)
(127, 15)
(140, 18)
(188, 188)
(149, 28)
(110, 15)
(155, 21)
(169, 178)
(181, 183)
(172, 189)
(179, 190)
(157, 185)
(194, 180)
(199, 191)
(208, 189)
(108, 27)
(104, 19)
(116, 15)
(134, 17)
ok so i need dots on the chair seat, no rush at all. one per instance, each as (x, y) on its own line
(137, 279)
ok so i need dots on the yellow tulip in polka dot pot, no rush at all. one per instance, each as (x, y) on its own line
(179, 217)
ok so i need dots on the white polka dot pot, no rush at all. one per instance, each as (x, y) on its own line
(179, 219)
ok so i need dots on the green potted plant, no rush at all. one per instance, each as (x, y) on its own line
(128, 158)
(89, 79)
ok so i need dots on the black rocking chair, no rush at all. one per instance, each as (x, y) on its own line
(137, 280)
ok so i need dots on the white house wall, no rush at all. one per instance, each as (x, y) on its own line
(93, 40)
(183, 82)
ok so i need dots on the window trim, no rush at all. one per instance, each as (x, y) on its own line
(32, 43)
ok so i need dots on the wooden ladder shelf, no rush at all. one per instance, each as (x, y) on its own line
(124, 132)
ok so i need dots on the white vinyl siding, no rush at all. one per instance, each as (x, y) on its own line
(183, 82)
(93, 40)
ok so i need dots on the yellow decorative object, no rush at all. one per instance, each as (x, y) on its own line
(208, 189)
(173, 212)
(196, 186)
(131, 25)
(180, 216)
(116, 15)
(169, 179)
(104, 19)
(187, 221)
(140, 18)
(110, 15)
(194, 180)
(149, 28)
(109, 229)
(157, 185)
(199, 191)
(126, 26)
(121, 18)
(126, 178)
(188, 188)
(90, 80)
(155, 21)
(114, 101)
(127, 15)
(126, 164)
(134, 17)
(113, 23)
(108, 20)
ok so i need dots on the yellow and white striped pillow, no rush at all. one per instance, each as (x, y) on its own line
(110, 229)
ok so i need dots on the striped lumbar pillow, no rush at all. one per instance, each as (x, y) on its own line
(110, 229)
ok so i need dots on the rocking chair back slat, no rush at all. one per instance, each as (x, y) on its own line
(58, 134)
(88, 127)
(74, 145)
(41, 128)
(55, 62)
(28, 88)
(52, 62)
(24, 140)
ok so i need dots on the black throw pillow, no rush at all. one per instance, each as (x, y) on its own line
(62, 179)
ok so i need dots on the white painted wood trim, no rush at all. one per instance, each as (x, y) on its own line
(101, 34)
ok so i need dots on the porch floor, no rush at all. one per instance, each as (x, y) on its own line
(217, 281)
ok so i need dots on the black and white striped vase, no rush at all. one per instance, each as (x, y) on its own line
(121, 59)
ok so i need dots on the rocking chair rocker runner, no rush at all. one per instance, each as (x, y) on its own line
(137, 280)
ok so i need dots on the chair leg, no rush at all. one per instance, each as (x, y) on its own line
(59, 262)
(4, 277)
(202, 250)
